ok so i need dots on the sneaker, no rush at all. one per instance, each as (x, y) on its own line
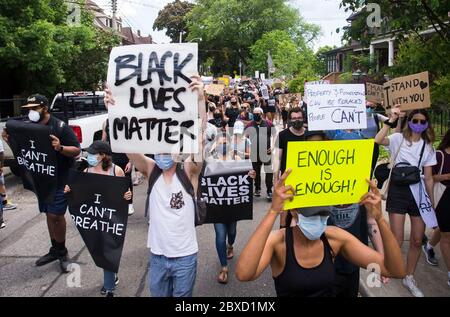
(109, 294)
(2, 225)
(103, 291)
(48, 258)
(448, 282)
(130, 209)
(257, 193)
(410, 283)
(430, 256)
(9, 206)
(269, 196)
(116, 280)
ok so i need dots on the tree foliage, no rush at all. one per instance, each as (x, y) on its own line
(39, 52)
(229, 28)
(173, 18)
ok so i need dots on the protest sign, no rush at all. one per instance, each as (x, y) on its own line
(215, 89)
(32, 148)
(327, 173)
(315, 82)
(411, 92)
(228, 191)
(263, 76)
(155, 110)
(334, 107)
(265, 92)
(374, 93)
(100, 214)
(257, 74)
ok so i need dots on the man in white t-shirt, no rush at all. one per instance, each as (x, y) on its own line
(172, 237)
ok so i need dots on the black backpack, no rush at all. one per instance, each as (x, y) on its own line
(199, 203)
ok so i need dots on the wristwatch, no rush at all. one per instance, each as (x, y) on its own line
(61, 148)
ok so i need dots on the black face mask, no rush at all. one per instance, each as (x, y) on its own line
(217, 116)
(257, 117)
(297, 124)
(234, 103)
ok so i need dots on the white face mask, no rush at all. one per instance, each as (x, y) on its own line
(312, 227)
(34, 116)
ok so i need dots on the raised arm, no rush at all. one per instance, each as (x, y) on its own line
(391, 263)
(259, 251)
(381, 137)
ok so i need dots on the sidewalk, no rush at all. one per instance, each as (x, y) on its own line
(432, 280)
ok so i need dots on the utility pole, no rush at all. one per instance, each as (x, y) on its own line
(114, 11)
(181, 37)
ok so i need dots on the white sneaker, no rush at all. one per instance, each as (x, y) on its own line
(3, 225)
(130, 209)
(410, 283)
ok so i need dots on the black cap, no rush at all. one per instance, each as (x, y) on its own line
(315, 211)
(36, 100)
(99, 147)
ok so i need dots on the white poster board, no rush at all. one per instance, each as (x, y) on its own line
(257, 74)
(334, 107)
(154, 111)
(265, 92)
(263, 76)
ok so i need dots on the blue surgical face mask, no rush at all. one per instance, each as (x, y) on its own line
(164, 161)
(312, 227)
(92, 159)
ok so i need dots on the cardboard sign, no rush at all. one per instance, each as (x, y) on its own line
(374, 93)
(228, 195)
(155, 111)
(32, 148)
(100, 214)
(327, 173)
(411, 92)
(335, 107)
(215, 89)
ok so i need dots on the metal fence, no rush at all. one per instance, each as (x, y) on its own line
(440, 120)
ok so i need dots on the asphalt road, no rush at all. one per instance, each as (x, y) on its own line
(25, 239)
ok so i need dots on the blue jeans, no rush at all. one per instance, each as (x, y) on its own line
(172, 277)
(222, 230)
(1, 211)
(109, 280)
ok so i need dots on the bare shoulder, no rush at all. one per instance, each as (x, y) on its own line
(118, 170)
(336, 237)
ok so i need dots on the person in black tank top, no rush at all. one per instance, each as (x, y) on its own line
(321, 243)
(298, 281)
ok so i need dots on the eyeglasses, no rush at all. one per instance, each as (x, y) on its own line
(416, 121)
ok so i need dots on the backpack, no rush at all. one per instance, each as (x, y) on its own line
(199, 203)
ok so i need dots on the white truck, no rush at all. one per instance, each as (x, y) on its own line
(83, 111)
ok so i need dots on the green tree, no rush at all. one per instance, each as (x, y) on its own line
(39, 52)
(320, 65)
(229, 28)
(172, 18)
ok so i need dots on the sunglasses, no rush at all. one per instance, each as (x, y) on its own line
(416, 121)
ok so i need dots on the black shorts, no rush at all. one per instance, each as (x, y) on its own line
(401, 201)
(443, 211)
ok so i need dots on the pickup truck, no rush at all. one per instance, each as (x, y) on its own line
(84, 112)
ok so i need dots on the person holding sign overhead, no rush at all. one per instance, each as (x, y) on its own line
(408, 195)
(100, 162)
(66, 145)
(301, 256)
(172, 237)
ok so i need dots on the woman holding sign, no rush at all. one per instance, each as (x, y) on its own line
(411, 150)
(100, 162)
(301, 256)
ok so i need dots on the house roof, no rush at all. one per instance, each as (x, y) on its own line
(132, 38)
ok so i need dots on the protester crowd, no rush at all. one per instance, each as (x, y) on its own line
(312, 253)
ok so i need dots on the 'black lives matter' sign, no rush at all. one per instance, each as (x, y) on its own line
(155, 110)
(32, 148)
(100, 214)
(229, 197)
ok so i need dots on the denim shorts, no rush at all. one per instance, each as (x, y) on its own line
(172, 277)
(58, 206)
